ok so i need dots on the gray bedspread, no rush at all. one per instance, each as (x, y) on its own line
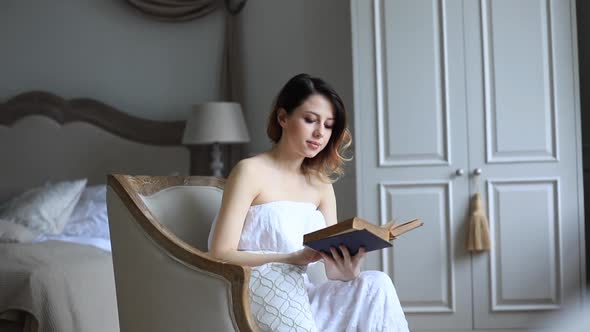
(66, 286)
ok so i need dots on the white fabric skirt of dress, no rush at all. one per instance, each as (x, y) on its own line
(367, 303)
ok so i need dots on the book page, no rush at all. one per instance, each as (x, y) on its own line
(398, 230)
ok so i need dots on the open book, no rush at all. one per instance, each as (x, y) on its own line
(356, 232)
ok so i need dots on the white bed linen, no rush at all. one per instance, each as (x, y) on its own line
(88, 224)
(90, 217)
(66, 286)
(101, 243)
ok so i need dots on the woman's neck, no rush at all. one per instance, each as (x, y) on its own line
(286, 160)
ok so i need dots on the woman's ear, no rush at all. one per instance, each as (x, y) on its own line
(282, 117)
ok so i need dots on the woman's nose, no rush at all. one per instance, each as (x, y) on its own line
(318, 133)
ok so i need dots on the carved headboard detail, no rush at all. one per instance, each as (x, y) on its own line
(91, 111)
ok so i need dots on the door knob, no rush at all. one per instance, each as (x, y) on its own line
(477, 171)
(459, 172)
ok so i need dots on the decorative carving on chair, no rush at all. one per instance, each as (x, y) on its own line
(148, 185)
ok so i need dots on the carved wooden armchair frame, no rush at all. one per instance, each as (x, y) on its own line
(129, 188)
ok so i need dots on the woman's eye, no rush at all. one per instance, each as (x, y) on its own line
(308, 120)
(328, 127)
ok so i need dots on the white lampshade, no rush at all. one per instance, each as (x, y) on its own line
(216, 122)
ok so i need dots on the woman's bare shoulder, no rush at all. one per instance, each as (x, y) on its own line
(322, 186)
(251, 168)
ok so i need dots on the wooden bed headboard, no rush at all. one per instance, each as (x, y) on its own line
(44, 137)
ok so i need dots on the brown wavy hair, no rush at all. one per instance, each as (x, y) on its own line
(328, 163)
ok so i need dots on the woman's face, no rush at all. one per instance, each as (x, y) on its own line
(308, 128)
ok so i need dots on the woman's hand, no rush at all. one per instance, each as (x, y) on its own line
(343, 267)
(304, 257)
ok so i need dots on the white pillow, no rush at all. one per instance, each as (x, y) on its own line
(90, 218)
(96, 193)
(46, 209)
(278, 298)
(13, 233)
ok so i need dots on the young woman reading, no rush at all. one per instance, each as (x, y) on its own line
(272, 199)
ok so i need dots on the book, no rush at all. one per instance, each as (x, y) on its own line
(356, 232)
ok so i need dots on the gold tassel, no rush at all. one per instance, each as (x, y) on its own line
(478, 238)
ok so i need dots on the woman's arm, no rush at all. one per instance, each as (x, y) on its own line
(328, 204)
(240, 191)
(338, 267)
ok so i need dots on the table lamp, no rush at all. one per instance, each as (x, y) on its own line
(215, 123)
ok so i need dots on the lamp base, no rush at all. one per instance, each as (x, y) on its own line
(216, 163)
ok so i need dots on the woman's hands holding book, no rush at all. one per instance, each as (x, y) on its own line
(343, 267)
(303, 257)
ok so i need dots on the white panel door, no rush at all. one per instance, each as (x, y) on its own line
(523, 135)
(411, 139)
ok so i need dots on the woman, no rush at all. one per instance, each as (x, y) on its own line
(272, 199)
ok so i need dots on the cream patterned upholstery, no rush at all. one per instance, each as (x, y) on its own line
(279, 298)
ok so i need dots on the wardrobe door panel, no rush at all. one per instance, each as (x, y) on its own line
(523, 120)
(410, 144)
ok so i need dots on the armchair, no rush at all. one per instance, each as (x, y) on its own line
(165, 280)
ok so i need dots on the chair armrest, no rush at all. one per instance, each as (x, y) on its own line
(238, 276)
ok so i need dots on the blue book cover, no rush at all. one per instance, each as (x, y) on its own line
(352, 240)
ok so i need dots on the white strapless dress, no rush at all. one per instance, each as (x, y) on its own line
(367, 303)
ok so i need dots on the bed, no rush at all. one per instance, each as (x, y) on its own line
(66, 284)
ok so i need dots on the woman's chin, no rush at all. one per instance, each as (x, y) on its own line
(311, 154)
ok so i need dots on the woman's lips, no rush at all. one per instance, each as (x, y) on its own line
(313, 145)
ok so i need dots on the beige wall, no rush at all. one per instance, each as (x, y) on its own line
(281, 38)
(106, 50)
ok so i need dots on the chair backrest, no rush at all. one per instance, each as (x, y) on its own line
(186, 210)
(164, 280)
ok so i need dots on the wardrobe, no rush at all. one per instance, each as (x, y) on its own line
(454, 97)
